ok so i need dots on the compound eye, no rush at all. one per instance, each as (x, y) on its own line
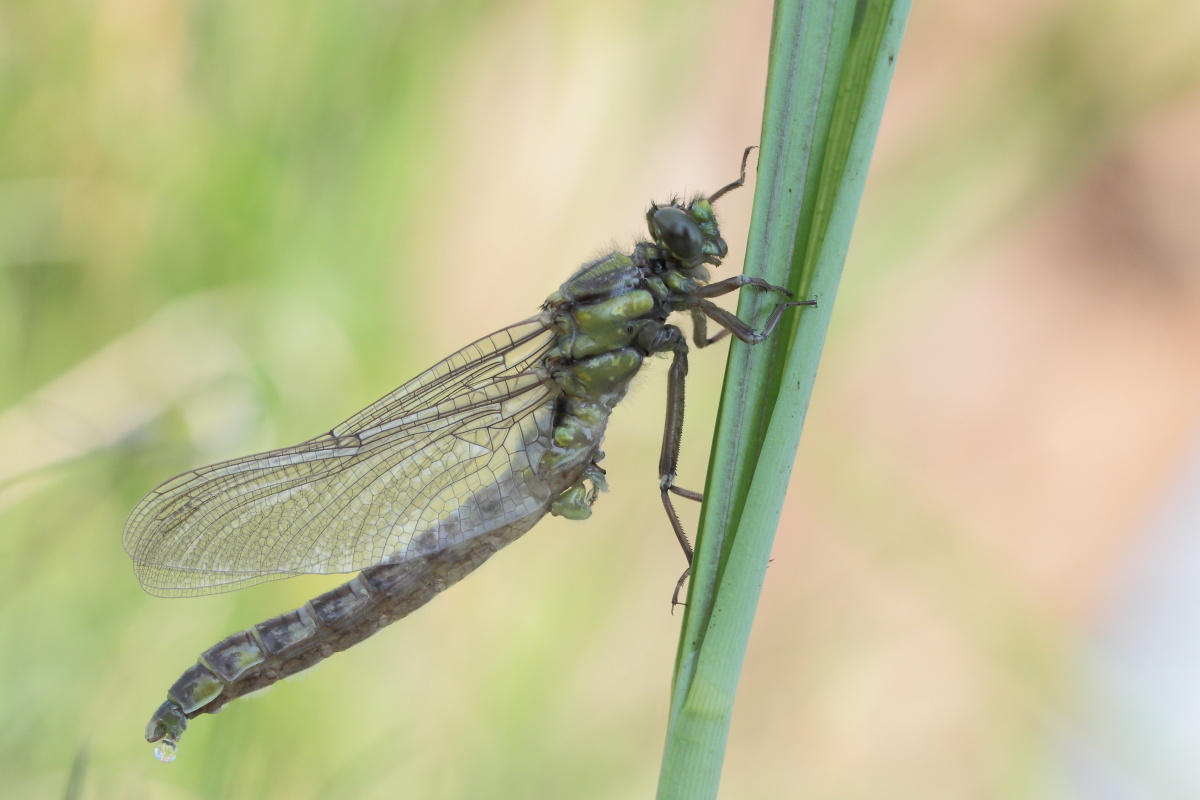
(679, 233)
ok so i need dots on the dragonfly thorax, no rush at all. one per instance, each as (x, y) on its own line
(609, 317)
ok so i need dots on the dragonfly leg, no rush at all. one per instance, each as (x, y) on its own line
(743, 330)
(678, 588)
(736, 282)
(690, 495)
(700, 330)
(669, 460)
(700, 321)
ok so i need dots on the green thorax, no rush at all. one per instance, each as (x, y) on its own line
(609, 317)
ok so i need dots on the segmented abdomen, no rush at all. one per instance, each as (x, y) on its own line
(258, 657)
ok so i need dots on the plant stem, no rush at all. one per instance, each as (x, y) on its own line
(830, 67)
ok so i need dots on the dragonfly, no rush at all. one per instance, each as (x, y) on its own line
(420, 488)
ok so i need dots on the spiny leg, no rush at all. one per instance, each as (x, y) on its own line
(689, 494)
(700, 330)
(741, 329)
(736, 282)
(700, 322)
(668, 461)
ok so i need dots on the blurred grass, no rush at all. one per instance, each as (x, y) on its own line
(227, 226)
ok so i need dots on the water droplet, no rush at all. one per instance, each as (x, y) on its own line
(165, 751)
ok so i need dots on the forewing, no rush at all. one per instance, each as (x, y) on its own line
(435, 462)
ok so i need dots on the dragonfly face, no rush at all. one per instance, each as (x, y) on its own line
(423, 486)
(689, 235)
(678, 233)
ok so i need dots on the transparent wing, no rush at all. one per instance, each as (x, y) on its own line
(449, 454)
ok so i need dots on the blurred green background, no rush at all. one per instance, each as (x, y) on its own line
(225, 227)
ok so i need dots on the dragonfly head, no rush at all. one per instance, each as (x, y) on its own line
(688, 233)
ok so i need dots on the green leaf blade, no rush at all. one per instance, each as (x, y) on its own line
(830, 69)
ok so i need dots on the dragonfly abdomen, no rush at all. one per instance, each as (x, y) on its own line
(341, 618)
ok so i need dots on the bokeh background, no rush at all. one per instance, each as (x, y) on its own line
(226, 226)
